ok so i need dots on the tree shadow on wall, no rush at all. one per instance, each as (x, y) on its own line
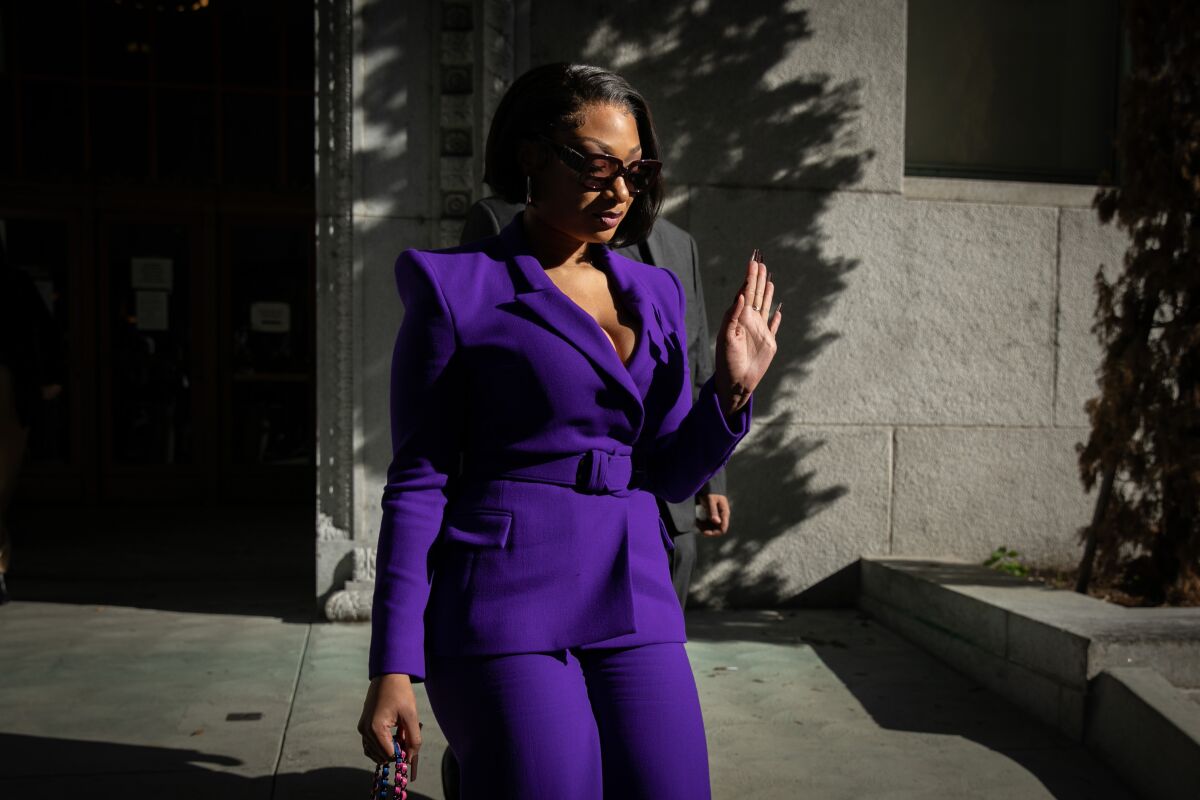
(737, 126)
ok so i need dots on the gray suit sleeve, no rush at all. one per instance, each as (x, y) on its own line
(481, 223)
(700, 355)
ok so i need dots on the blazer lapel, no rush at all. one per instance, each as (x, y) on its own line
(649, 348)
(563, 316)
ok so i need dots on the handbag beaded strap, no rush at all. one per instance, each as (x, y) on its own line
(388, 788)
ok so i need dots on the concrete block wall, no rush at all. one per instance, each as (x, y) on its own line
(935, 351)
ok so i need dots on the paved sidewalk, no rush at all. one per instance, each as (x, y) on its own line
(136, 702)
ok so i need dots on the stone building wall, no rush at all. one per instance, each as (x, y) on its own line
(935, 351)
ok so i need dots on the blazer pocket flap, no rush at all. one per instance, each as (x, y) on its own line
(481, 528)
(666, 536)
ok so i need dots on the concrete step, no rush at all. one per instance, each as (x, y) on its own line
(1138, 724)
(1102, 674)
(1067, 637)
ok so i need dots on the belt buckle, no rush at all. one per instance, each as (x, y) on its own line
(597, 474)
(593, 467)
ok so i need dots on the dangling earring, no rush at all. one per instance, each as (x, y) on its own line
(528, 190)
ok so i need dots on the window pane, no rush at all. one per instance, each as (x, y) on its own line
(38, 248)
(301, 141)
(270, 285)
(118, 41)
(270, 278)
(8, 156)
(301, 39)
(1023, 89)
(151, 327)
(184, 48)
(186, 136)
(251, 139)
(30, 51)
(250, 40)
(272, 423)
(51, 130)
(120, 120)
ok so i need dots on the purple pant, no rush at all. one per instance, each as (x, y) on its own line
(573, 724)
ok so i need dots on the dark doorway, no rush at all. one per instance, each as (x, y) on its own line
(157, 183)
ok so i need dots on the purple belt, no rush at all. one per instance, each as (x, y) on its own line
(593, 471)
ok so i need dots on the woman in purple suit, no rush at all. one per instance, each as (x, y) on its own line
(540, 400)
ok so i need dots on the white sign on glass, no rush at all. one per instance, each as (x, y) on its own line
(151, 273)
(270, 317)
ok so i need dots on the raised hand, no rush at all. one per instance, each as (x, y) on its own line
(746, 341)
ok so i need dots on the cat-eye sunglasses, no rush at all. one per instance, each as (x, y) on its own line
(599, 170)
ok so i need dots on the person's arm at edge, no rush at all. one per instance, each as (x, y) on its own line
(481, 222)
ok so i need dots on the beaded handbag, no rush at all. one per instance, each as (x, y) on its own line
(390, 787)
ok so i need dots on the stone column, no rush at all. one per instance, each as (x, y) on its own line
(475, 52)
(335, 318)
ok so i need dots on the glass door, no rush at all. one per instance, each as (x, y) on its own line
(267, 357)
(44, 246)
(157, 425)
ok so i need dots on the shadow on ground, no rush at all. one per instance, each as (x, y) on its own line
(35, 767)
(902, 688)
(238, 559)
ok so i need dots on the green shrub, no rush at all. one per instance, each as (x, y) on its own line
(1003, 559)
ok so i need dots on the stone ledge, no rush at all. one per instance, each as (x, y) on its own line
(1057, 705)
(1138, 724)
(967, 190)
(1067, 637)
(1120, 680)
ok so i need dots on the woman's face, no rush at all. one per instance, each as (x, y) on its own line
(561, 201)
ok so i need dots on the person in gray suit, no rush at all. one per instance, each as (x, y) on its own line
(671, 247)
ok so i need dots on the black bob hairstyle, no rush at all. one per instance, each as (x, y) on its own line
(551, 98)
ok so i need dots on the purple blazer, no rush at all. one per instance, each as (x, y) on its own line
(495, 367)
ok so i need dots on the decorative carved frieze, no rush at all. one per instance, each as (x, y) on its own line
(457, 17)
(457, 111)
(335, 289)
(458, 114)
(327, 531)
(364, 563)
